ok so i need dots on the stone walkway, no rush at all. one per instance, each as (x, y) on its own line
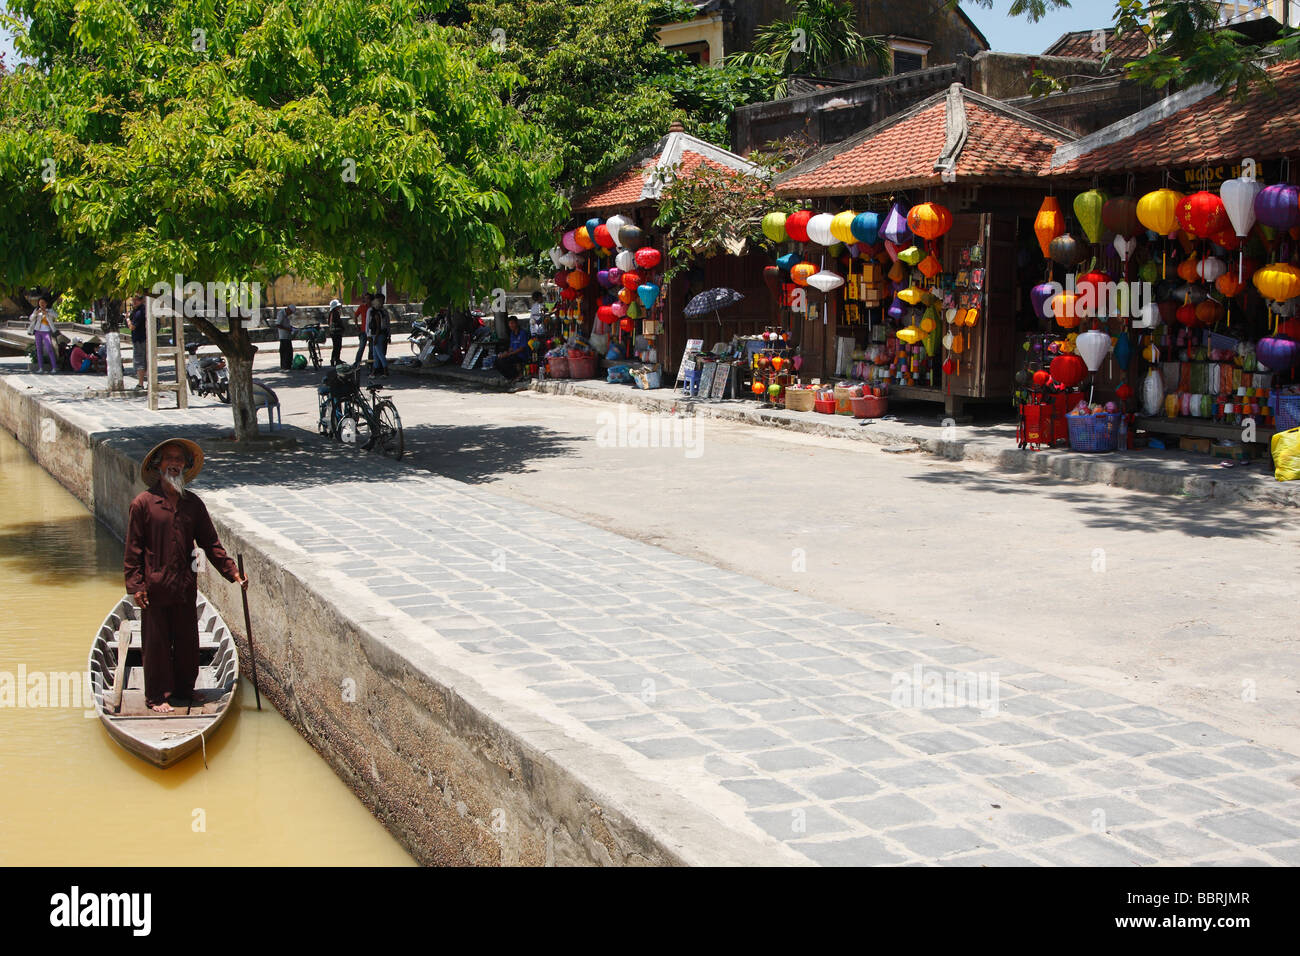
(843, 740)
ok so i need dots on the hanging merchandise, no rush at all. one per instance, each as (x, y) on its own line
(1069, 370)
(1093, 347)
(788, 261)
(825, 281)
(614, 224)
(796, 225)
(1278, 206)
(1202, 214)
(1049, 223)
(930, 267)
(802, 272)
(819, 229)
(1087, 209)
(1278, 282)
(866, 227)
(895, 227)
(774, 226)
(602, 237)
(1279, 355)
(1063, 308)
(1124, 247)
(842, 227)
(911, 255)
(648, 293)
(1119, 215)
(929, 220)
(1039, 297)
(625, 260)
(648, 257)
(632, 238)
(1067, 251)
(1158, 211)
(772, 279)
(582, 235)
(1211, 269)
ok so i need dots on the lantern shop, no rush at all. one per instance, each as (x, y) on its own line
(896, 253)
(610, 267)
(1181, 267)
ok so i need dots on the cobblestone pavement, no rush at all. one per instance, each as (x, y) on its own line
(846, 740)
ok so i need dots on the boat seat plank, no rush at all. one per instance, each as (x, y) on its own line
(207, 701)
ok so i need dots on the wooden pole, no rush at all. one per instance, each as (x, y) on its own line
(248, 629)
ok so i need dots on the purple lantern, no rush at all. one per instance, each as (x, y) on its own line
(1278, 207)
(1040, 295)
(1278, 354)
(603, 278)
(895, 227)
(896, 309)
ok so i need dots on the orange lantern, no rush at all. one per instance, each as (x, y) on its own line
(929, 220)
(802, 272)
(578, 279)
(897, 273)
(1209, 312)
(930, 267)
(1049, 224)
(582, 236)
(625, 296)
(1228, 284)
(1187, 269)
(1063, 307)
(757, 388)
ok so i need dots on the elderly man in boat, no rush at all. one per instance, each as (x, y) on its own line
(166, 523)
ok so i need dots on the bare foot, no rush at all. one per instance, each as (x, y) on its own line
(163, 708)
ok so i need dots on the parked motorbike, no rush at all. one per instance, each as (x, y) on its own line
(435, 332)
(207, 374)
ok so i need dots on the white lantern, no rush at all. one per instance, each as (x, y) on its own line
(569, 260)
(825, 281)
(1093, 348)
(1153, 393)
(1148, 318)
(1124, 247)
(819, 229)
(1211, 268)
(615, 225)
(1238, 197)
(625, 260)
(557, 255)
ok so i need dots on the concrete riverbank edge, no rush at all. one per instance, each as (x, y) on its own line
(1166, 473)
(420, 731)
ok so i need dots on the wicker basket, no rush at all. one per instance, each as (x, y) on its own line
(800, 399)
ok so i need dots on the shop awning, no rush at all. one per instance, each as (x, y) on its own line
(637, 181)
(1193, 128)
(952, 137)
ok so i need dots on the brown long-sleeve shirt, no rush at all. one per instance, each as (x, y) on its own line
(160, 540)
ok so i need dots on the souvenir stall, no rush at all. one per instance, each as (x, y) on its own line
(898, 276)
(1179, 283)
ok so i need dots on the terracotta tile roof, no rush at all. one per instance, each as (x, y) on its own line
(1001, 144)
(1080, 44)
(634, 183)
(1210, 130)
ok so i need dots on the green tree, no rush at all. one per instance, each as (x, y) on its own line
(819, 36)
(240, 141)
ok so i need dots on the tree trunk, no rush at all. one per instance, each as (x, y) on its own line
(239, 352)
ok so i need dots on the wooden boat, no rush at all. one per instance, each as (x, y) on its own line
(118, 682)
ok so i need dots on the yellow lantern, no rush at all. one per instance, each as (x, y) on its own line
(1158, 210)
(911, 335)
(840, 227)
(1063, 307)
(911, 295)
(1278, 282)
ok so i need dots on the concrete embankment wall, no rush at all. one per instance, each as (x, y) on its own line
(458, 775)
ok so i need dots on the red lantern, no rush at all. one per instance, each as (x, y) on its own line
(626, 296)
(1041, 378)
(648, 258)
(1209, 312)
(603, 238)
(631, 280)
(1186, 315)
(627, 325)
(1124, 392)
(772, 277)
(1202, 215)
(796, 225)
(949, 365)
(1069, 370)
(568, 294)
(606, 314)
(1226, 239)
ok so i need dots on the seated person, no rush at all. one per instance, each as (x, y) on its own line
(80, 360)
(513, 362)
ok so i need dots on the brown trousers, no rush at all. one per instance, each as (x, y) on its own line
(169, 634)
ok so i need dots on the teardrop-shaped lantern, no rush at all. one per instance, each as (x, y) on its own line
(1238, 197)
(1048, 224)
(1119, 215)
(1087, 209)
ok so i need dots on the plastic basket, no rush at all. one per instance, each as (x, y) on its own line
(868, 407)
(1093, 432)
(583, 366)
(557, 366)
(1286, 412)
(825, 406)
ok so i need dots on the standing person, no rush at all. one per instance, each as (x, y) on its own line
(362, 313)
(139, 339)
(42, 329)
(381, 326)
(337, 325)
(164, 525)
(284, 329)
(537, 317)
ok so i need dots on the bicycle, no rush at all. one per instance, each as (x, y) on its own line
(314, 335)
(347, 415)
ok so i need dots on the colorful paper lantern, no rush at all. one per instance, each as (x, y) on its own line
(1201, 215)
(796, 225)
(802, 272)
(819, 229)
(578, 279)
(648, 257)
(826, 281)
(929, 220)
(631, 280)
(911, 255)
(605, 314)
(1063, 308)
(625, 260)
(614, 224)
(895, 228)
(626, 296)
(1087, 209)
(930, 267)
(897, 273)
(1209, 312)
(1093, 347)
(632, 238)
(1158, 210)
(1278, 206)
(787, 262)
(1067, 251)
(570, 241)
(1210, 269)
(911, 295)
(1048, 224)
(774, 226)
(1278, 354)
(1228, 284)
(648, 293)
(1119, 215)
(1125, 246)
(772, 279)
(1069, 370)
(866, 227)
(910, 335)
(602, 237)
(1039, 297)
(1278, 282)
(842, 226)
(582, 235)
(1238, 197)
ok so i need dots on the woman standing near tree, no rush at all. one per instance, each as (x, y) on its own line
(41, 327)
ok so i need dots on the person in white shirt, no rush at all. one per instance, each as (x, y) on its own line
(284, 329)
(537, 316)
(42, 328)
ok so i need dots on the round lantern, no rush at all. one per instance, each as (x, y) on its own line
(1278, 282)
(602, 237)
(648, 257)
(1278, 206)
(1226, 240)
(1041, 378)
(626, 296)
(1201, 215)
(929, 220)
(1238, 197)
(568, 294)
(1119, 215)
(866, 227)
(582, 235)
(796, 225)
(631, 280)
(627, 325)
(620, 308)
(842, 226)
(1087, 209)
(1158, 210)
(614, 224)
(632, 238)
(1088, 287)
(1187, 269)
(1123, 349)
(570, 241)
(1093, 347)
(819, 229)
(895, 226)
(757, 387)
(1069, 370)
(1211, 269)
(1067, 251)
(787, 262)
(625, 260)
(1186, 315)
(648, 293)
(1278, 354)
(604, 279)
(1228, 284)
(1048, 224)
(1063, 308)
(1209, 312)
(774, 226)
(605, 314)
(1039, 297)
(578, 279)
(801, 273)
(825, 281)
